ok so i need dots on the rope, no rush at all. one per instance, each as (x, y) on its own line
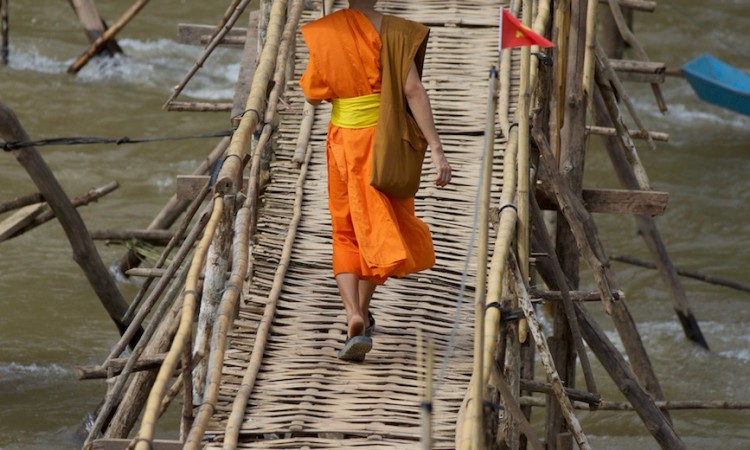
(9, 146)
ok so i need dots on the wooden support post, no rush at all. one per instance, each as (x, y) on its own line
(85, 253)
(5, 42)
(626, 381)
(587, 239)
(94, 25)
(102, 40)
(650, 233)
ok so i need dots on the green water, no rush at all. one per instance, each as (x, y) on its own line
(50, 319)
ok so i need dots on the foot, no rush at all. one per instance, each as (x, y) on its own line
(356, 326)
(356, 348)
(370, 324)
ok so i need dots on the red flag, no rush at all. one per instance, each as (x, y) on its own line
(514, 34)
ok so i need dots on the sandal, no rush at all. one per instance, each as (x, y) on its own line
(371, 328)
(356, 348)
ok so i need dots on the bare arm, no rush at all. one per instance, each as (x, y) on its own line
(419, 103)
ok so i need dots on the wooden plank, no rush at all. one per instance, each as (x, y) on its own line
(618, 201)
(640, 71)
(20, 219)
(188, 186)
(194, 34)
(122, 444)
(93, 24)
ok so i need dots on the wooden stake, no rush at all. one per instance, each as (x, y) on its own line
(5, 43)
(93, 24)
(85, 253)
(97, 45)
(511, 405)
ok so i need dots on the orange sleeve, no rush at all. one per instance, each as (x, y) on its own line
(313, 84)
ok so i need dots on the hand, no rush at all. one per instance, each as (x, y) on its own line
(442, 167)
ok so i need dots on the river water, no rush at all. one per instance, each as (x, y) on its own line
(50, 320)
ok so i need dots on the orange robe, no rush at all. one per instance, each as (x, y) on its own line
(374, 236)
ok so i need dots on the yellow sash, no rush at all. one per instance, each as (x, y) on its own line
(356, 112)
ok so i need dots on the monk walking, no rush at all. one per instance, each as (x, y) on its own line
(375, 235)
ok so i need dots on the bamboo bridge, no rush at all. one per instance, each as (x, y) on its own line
(251, 261)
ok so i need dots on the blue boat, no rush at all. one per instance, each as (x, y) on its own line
(719, 83)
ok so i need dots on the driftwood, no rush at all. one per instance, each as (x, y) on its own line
(20, 202)
(102, 40)
(91, 196)
(712, 279)
(85, 253)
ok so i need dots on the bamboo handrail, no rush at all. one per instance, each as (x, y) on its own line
(248, 380)
(233, 160)
(150, 415)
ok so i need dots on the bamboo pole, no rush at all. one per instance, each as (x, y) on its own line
(712, 279)
(590, 52)
(85, 253)
(524, 158)
(305, 131)
(630, 38)
(227, 181)
(5, 44)
(174, 207)
(635, 134)
(115, 395)
(474, 435)
(541, 344)
(222, 325)
(226, 24)
(182, 338)
(234, 423)
(115, 366)
(681, 405)
(166, 279)
(97, 45)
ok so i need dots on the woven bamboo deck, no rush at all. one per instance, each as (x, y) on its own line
(304, 397)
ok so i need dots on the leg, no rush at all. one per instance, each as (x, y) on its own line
(348, 284)
(366, 290)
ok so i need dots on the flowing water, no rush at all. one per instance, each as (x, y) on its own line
(50, 320)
